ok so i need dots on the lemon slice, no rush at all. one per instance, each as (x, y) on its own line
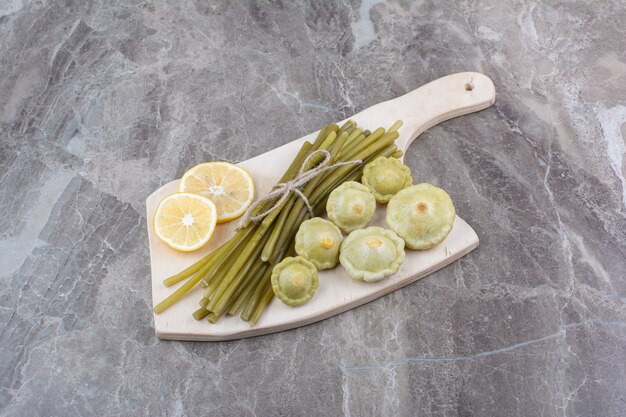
(229, 186)
(185, 221)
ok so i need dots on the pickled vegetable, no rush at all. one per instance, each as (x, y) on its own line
(351, 206)
(294, 281)
(385, 177)
(372, 254)
(319, 240)
(422, 215)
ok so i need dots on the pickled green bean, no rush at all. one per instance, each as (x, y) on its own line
(247, 290)
(397, 125)
(200, 313)
(254, 298)
(244, 260)
(261, 305)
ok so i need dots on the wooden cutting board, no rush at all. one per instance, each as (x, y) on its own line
(435, 102)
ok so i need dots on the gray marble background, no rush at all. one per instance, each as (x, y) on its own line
(101, 102)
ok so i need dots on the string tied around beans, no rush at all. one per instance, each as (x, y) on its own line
(282, 191)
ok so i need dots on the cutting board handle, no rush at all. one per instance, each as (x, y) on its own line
(439, 100)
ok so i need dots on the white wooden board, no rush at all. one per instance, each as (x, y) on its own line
(440, 100)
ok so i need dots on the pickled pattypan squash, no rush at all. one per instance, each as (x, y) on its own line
(422, 215)
(351, 206)
(318, 240)
(294, 280)
(372, 254)
(385, 177)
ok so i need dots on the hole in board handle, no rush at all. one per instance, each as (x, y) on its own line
(469, 86)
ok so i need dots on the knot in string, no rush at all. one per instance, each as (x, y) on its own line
(283, 190)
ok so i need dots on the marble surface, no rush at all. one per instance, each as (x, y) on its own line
(101, 102)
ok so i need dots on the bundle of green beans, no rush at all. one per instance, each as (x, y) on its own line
(237, 275)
